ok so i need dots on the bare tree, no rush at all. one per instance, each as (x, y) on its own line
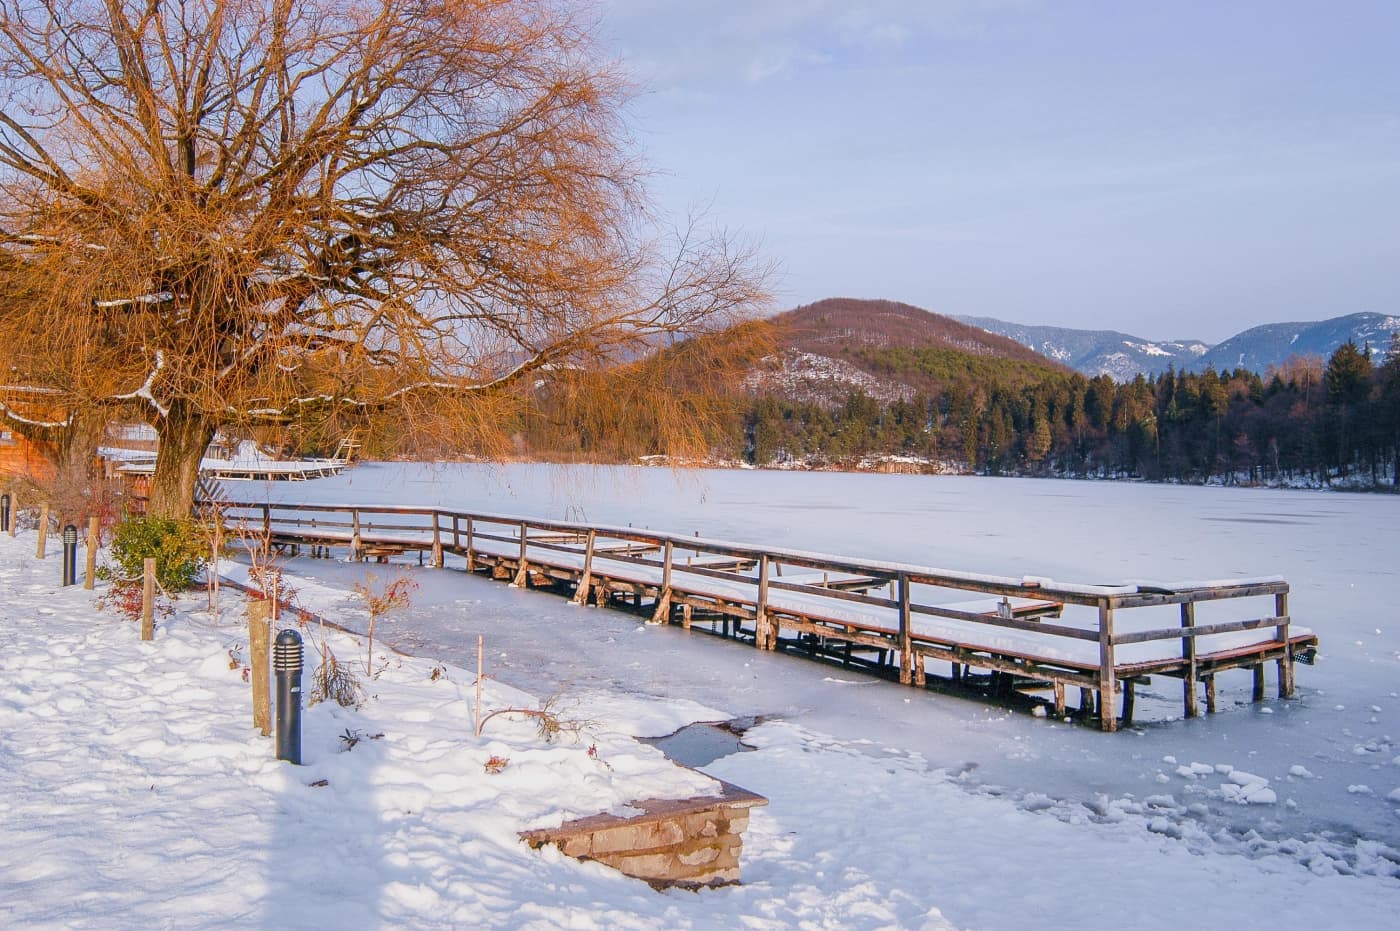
(227, 212)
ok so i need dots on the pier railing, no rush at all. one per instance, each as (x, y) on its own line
(901, 610)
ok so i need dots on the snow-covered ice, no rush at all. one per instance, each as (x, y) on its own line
(137, 795)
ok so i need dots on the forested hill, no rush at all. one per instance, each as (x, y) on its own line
(887, 351)
(841, 324)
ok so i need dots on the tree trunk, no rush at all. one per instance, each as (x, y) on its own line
(184, 436)
(77, 446)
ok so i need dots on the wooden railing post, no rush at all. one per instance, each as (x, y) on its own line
(14, 514)
(356, 545)
(764, 637)
(1285, 663)
(437, 543)
(663, 595)
(1188, 653)
(1108, 685)
(585, 580)
(906, 639)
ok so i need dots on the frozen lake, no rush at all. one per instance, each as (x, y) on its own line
(1329, 754)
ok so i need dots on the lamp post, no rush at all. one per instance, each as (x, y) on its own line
(287, 661)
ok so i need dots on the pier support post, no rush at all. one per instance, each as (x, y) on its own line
(522, 569)
(662, 614)
(471, 554)
(1285, 663)
(906, 642)
(1108, 685)
(435, 560)
(763, 636)
(1188, 653)
(585, 581)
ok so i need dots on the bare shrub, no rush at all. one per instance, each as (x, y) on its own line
(335, 682)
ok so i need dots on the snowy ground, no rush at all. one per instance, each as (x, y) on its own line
(136, 795)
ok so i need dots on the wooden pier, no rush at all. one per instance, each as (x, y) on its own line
(915, 622)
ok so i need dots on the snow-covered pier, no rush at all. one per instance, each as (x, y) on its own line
(1024, 634)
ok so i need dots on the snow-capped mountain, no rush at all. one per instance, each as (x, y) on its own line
(1260, 347)
(1099, 352)
(1122, 356)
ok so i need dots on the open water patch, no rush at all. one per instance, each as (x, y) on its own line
(703, 742)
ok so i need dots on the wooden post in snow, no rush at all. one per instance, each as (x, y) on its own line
(148, 598)
(90, 576)
(43, 543)
(259, 638)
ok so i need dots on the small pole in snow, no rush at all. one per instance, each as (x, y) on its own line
(479, 641)
(4, 513)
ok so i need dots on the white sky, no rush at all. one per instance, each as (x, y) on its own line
(1183, 169)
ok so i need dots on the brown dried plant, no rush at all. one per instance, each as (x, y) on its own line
(381, 597)
(324, 213)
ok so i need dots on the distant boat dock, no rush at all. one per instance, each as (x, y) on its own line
(992, 633)
(244, 463)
